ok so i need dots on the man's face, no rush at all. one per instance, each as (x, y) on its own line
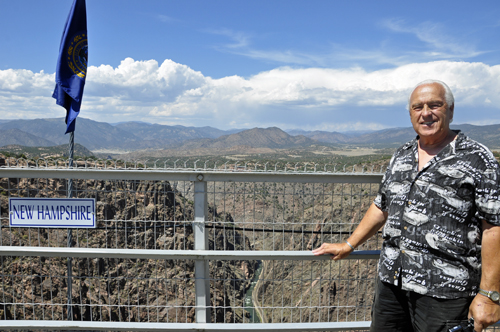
(430, 114)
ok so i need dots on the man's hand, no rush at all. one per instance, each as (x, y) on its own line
(369, 225)
(336, 250)
(483, 309)
(485, 312)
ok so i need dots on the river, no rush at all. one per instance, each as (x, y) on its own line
(248, 302)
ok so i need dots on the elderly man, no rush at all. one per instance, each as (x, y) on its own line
(440, 203)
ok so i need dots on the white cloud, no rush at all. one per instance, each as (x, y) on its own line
(313, 98)
(441, 45)
(432, 43)
(241, 45)
(240, 39)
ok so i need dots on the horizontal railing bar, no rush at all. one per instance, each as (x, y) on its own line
(169, 175)
(175, 254)
(170, 327)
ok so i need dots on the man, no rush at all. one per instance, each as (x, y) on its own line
(440, 203)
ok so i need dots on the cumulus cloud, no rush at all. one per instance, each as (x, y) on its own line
(312, 98)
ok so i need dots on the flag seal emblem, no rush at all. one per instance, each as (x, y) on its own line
(77, 54)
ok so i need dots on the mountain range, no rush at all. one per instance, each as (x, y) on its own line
(134, 136)
(95, 135)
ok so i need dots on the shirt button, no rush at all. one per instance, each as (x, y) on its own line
(405, 228)
(409, 203)
(395, 277)
(403, 251)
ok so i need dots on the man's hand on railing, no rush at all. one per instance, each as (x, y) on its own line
(336, 250)
(485, 312)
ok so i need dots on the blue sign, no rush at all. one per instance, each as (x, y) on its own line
(52, 212)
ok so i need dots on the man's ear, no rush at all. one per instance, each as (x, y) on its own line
(452, 108)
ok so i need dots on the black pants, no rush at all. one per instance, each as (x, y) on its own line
(396, 310)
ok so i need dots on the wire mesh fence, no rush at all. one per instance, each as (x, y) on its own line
(246, 210)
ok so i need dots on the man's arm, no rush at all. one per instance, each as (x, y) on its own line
(369, 225)
(485, 311)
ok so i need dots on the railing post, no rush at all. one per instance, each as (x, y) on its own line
(201, 267)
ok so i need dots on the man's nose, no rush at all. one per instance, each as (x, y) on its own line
(426, 110)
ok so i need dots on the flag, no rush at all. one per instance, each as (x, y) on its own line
(71, 68)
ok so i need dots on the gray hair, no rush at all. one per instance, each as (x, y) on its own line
(448, 95)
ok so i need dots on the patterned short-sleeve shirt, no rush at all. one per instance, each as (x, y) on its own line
(432, 236)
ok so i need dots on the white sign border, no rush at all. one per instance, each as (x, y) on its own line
(51, 200)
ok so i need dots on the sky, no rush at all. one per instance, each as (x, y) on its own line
(311, 65)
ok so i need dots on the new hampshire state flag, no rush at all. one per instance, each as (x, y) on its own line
(71, 68)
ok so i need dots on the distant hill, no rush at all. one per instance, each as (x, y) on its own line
(91, 134)
(134, 136)
(95, 135)
(251, 141)
(256, 138)
(161, 135)
(329, 137)
(18, 137)
(393, 137)
(46, 151)
(488, 135)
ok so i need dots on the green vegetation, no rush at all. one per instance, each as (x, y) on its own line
(269, 162)
(59, 151)
(289, 160)
(14, 155)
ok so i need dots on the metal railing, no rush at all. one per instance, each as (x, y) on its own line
(190, 249)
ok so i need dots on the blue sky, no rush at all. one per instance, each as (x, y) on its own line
(312, 65)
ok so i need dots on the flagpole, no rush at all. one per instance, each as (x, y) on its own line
(71, 71)
(70, 233)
